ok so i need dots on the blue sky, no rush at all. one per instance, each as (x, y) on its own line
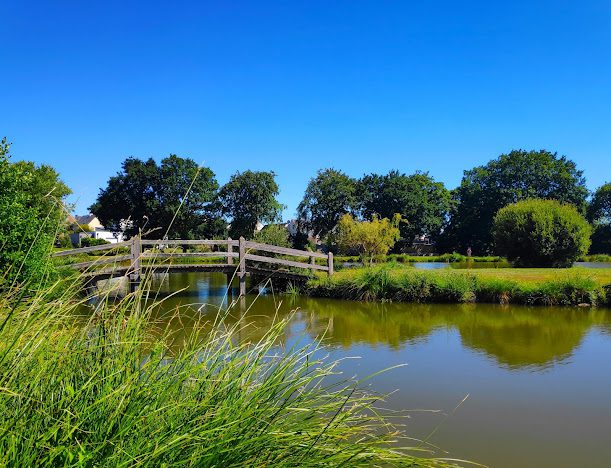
(295, 86)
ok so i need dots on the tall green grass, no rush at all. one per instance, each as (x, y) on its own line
(400, 284)
(110, 389)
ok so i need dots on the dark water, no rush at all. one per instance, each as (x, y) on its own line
(538, 380)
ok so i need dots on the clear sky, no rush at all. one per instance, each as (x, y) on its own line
(295, 86)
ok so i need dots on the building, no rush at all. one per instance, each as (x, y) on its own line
(95, 230)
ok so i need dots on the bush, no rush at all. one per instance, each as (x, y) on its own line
(90, 242)
(541, 233)
(31, 209)
(273, 234)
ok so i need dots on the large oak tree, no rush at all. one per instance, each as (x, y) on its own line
(512, 177)
(422, 202)
(328, 196)
(176, 198)
(248, 198)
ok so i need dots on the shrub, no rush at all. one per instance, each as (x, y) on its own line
(369, 238)
(543, 233)
(273, 234)
(90, 242)
(31, 209)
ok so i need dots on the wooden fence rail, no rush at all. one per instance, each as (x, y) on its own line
(247, 261)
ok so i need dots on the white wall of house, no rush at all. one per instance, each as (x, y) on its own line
(111, 237)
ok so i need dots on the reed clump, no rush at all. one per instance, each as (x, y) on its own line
(112, 390)
(504, 286)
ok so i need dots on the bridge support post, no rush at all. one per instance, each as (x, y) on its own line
(135, 264)
(330, 263)
(242, 271)
(229, 262)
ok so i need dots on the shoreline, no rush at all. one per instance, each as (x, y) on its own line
(396, 283)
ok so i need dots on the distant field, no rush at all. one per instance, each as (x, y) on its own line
(602, 276)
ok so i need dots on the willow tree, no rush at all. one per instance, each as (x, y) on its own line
(367, 238)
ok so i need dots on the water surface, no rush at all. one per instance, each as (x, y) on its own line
(538, 380)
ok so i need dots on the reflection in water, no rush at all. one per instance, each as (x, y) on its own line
(514, 336)
(538, 377)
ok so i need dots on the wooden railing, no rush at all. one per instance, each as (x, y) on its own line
(246, 259)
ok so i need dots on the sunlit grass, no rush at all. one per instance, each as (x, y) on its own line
(111, 392)
(507, 285)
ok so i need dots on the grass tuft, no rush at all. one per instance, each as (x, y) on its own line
(115, 391)
(577, 286)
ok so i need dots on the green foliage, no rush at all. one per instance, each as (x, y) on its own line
(512, 177)
(599, 214)
(64, 241)
(177, 198)
(273, 234)
(328, 196)
(601, 239)
(599, 209)
(301, 241)
(542, 233)
(31, 209)
(368, 238)
(250, 197)
(422, 203)
(90, 242)
(115, 391)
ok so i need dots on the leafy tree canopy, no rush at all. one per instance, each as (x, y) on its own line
(599, 214)
(328, 196)
(175, 198)
(273, 234)
(31, 211)
(541, 233)
(599, 210)
(368, 238)
(512, 177)
(423, 203)
(250, 197)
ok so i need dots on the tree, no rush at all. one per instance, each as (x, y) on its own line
(599, 214)
(512, 177)
(541, 233)
(273, 234)
(328, 196)
(423, 203)
(248, 198)
(368, 238)
(177, 197)
(31, 211)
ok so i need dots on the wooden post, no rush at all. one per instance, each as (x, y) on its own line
(330, 262)
(229, 262)
(229, 251)
(242, 273)
(312, 262)
(135, 263)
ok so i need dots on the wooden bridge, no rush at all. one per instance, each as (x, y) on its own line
(237, 258)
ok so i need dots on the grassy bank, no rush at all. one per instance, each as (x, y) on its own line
(505, 286)
(108, 389)
(405, 258)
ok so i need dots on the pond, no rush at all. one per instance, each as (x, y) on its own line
(538, 380)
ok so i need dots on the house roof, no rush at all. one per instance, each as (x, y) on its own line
(86, 219)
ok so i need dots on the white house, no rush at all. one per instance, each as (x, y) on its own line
(96, 230)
